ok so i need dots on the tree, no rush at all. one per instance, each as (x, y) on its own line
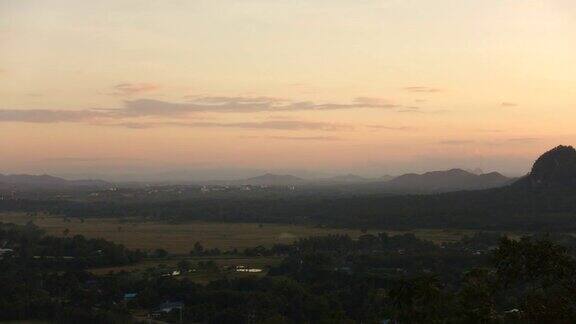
(538, 262)
(184, 266)
(543, 273)
(476, 298)
(160, 253)
(198, 248)
(419, 300)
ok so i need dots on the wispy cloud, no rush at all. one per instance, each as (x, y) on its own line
(394, 128)
(158, 108)
(374, 102)
(417, 110)
(509, 104)
(130, 89)
(523, 140)
(89, 159)
(519, 140)
(422, 89)
(271, 124)
(242, 105)
(456, 142)
(298, 138)
(49, 116)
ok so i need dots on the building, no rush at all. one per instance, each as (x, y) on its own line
(166, 308)
(5, 252)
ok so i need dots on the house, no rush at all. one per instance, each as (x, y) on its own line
(129, 296)
(4, 252)
(388, 321)
(246, 269)
(166, 308)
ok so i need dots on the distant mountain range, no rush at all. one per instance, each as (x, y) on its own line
(450, 180)
(26, 181)
(270, 179)
(543, 200)
(436, 181)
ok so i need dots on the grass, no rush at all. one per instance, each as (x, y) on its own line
(200, 275)
(180, 238)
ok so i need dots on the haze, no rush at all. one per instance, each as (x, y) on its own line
(370, 87)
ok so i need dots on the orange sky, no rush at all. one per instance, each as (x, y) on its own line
(372, 87)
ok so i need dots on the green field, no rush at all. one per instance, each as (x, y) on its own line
(180, 238)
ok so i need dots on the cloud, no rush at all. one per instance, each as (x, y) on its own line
(130, 89)
(149, 107)
(417, 110)
(523, 140)
(487, 130)
(132, 110)
(509, 104)
(456, 142)
(374, 102)
(520, 140)
(135, 125)
(298, 138)
(89, 159)
(272, 124)
(384, 127)
(49, 116)
(421, 89)
(237, 100)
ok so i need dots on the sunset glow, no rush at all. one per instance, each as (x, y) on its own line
(372, 87)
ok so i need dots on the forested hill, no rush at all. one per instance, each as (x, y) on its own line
(545, 199)
(555, 169)
(27, 181)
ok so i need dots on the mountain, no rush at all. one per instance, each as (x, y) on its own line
(45, 182)
(375, 205)
(270, 179)
(385, 178)
(348, 178)
(343, 179)
(555, 168)
(477, 171)
(449, 180)
(32, 180)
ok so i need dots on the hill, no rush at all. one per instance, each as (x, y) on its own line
(270, 179)
(555, 169)
(449, 180)
(342, 180)
(544, 200)
(27, 181)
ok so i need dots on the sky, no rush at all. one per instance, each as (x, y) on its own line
(374, 87)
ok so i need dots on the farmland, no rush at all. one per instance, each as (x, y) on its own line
(180, 238)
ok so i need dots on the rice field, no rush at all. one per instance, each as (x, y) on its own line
(180, 238)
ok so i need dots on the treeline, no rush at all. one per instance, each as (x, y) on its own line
(486, 278)
(28, 245)
(510, 208)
